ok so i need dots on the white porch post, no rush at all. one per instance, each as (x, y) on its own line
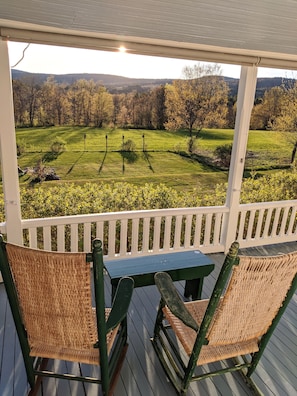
(8, 151)
(245, 101)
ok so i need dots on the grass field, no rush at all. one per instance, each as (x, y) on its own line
(94, 155)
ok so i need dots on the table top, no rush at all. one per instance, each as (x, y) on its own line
(156, 262)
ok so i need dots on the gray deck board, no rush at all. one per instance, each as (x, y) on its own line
(142, 374)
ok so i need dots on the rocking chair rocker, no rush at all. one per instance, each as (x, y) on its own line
(234, 323)
(51, 302)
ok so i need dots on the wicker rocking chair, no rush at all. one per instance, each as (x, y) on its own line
(247, 302)
(50, 298)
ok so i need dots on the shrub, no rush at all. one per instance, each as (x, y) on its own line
(223, 154)
(20, 148)
(128, 145)
(279, 186)
(58, 146)
(71, 199)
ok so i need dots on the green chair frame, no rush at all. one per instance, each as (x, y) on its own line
(181, 367)
(110, 362)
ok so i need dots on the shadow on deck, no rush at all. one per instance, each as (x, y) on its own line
(141, 373)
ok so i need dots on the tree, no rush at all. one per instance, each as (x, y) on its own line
(80, 99)
(117, 103)
(54, 103)
(141, 110)
(20, 101)
(198, 100)
(223, 154)
(287, 119)
(231, 113)
(126, 114)
(266, 112)
(158, 107)
(102, 106)
(123, 118)
(26, 99)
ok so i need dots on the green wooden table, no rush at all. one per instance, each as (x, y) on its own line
(191, 266)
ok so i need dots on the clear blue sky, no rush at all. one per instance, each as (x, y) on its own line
(61, 60)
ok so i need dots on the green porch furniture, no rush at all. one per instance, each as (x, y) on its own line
(247, 302)
(191, 266)
(50, 296)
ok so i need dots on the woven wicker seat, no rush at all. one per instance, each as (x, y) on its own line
(51, 300)
(237, 321)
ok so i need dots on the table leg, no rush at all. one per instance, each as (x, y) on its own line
(193, 288)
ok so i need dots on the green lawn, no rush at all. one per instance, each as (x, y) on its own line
(86, 158)
(94, 139)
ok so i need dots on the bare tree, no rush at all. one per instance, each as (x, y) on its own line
(102, 106)
(198, 100)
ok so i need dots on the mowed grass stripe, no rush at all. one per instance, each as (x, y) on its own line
(171, 169)
(111, 164)
(90, 156)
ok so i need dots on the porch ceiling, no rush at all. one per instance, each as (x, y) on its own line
(260, 32)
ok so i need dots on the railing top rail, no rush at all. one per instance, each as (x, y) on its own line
(266, 205)
(88, 218)
(202, 228)
(95, 217)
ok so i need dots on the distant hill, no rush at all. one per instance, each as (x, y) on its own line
(263, 84)
(119, 84)
(111, 82)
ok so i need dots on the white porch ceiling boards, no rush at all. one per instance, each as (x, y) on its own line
(261, 32)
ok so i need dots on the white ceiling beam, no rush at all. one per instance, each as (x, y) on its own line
(150, 47)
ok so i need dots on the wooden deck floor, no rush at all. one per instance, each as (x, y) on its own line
(141, 373)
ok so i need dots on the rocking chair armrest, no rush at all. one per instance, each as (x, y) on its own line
(121, 303)
(173, 300)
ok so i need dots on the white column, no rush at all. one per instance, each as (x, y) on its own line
(245, 102)
(8, 152)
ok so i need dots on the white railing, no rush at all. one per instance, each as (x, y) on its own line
(130, 233)
(267, 223)
(153, 231)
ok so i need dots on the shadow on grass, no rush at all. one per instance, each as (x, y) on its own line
(129, 156)
(214, 135)
(102, 163)
(73, 165)
(146, 156)
(50, 156)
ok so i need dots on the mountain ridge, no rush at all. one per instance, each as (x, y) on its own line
(121, 84)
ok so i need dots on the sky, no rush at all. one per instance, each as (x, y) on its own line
(63, 60)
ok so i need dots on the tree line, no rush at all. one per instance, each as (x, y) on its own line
(199, 99)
